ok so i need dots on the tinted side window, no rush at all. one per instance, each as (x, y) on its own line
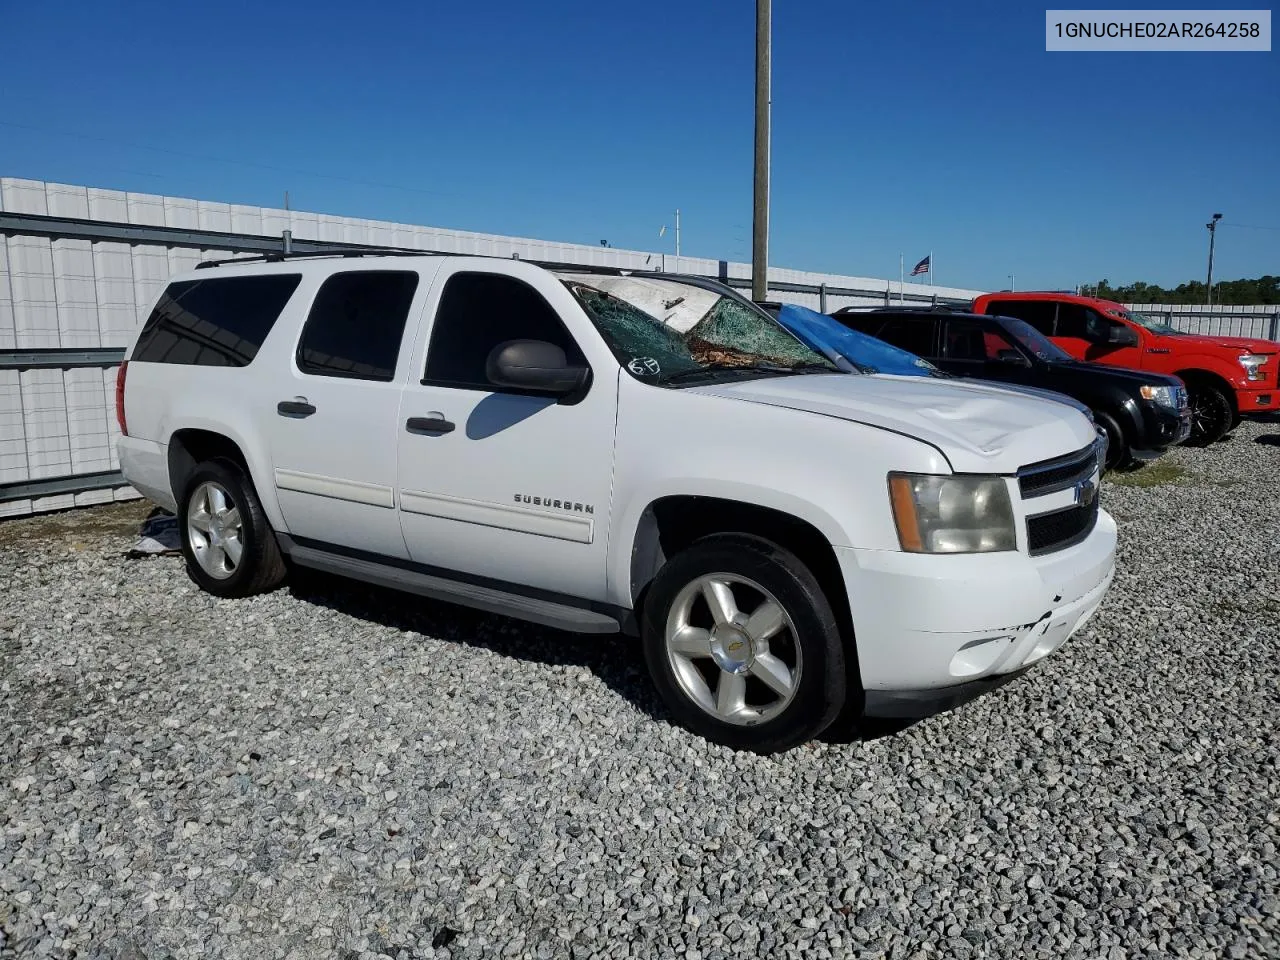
(1038, 313)
(219, 322)
(356, 324)
(971, 340)
(864, 322)
(1079, 322)
(964, 341)
(477, 312)
(913, 334)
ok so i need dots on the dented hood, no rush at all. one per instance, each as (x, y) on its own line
(980, 428)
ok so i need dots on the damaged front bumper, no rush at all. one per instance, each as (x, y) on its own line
(931, 630)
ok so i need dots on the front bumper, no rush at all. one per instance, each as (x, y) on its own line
(917, 704)
(1161, 429)
(1258, 399)
(930, 628)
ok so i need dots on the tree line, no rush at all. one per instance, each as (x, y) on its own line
(1264, 289)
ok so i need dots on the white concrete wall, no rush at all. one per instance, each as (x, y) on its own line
(77, 293)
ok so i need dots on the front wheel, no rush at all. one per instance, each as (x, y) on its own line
(1117, 447)
(742, 644)
(1212, 413)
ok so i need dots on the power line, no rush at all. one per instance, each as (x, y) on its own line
(1246, 226)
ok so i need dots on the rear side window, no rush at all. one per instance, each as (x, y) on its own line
(913, 334)
(356, 324)
(1038, 313)
(218, 322)
(477, 312)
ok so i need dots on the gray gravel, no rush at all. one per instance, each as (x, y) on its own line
(340, 772)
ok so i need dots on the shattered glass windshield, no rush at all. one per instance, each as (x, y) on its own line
(672, 333)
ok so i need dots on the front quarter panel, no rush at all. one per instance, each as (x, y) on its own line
(829, 472)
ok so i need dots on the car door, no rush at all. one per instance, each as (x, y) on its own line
(496, 483)
(1092, 330)
(333, 433)
(976, 348)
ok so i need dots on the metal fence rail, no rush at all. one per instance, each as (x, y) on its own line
(47, 237)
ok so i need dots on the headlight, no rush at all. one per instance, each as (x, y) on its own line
(956, 514)
(1252, 363)
(1164, 396)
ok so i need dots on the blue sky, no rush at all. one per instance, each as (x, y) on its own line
(898, 128)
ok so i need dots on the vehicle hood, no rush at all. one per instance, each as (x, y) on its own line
(1103, 372)
(980, 428)
(1234, 344)
(1042, 392)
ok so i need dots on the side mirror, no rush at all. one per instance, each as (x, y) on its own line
(534, 365)
(1119, 335)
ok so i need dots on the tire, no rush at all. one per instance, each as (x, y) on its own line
(1117, 446)
(725, 680)
(1212, 412)
(212, 534)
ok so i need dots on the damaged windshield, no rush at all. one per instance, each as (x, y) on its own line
(669, 332)
(1154, 324)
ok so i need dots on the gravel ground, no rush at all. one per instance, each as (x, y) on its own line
(335, 771)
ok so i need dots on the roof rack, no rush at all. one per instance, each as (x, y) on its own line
(278, 256)
(583, 268)
(908, 308)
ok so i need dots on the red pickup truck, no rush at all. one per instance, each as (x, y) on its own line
(1226, 377)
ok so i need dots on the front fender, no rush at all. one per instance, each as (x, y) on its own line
(1228, 370)
(827, 472)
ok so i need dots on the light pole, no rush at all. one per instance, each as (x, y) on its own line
(760, 206)
(1013, 286)
(1213, 227)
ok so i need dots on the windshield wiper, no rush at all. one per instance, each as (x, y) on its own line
(812, 368)
(713, 369)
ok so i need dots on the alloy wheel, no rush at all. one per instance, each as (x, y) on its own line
(215, 530)
(732, 648)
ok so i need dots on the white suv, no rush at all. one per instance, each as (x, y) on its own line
(797, 544)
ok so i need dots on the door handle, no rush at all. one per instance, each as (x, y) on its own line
(297, 409)
(431, 425)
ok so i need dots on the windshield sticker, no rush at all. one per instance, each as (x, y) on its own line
(644, 367)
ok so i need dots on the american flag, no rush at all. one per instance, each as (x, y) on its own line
(921, 267)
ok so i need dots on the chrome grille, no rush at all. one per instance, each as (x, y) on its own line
(1180, 399)
(1064, 527)
(1063, 473)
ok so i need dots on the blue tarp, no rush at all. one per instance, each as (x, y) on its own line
(824, 334)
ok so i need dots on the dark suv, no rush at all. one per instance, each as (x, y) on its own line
(1143, 413)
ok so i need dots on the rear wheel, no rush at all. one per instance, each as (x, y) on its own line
(743, 645)
(230, 549)
(1212, 413)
